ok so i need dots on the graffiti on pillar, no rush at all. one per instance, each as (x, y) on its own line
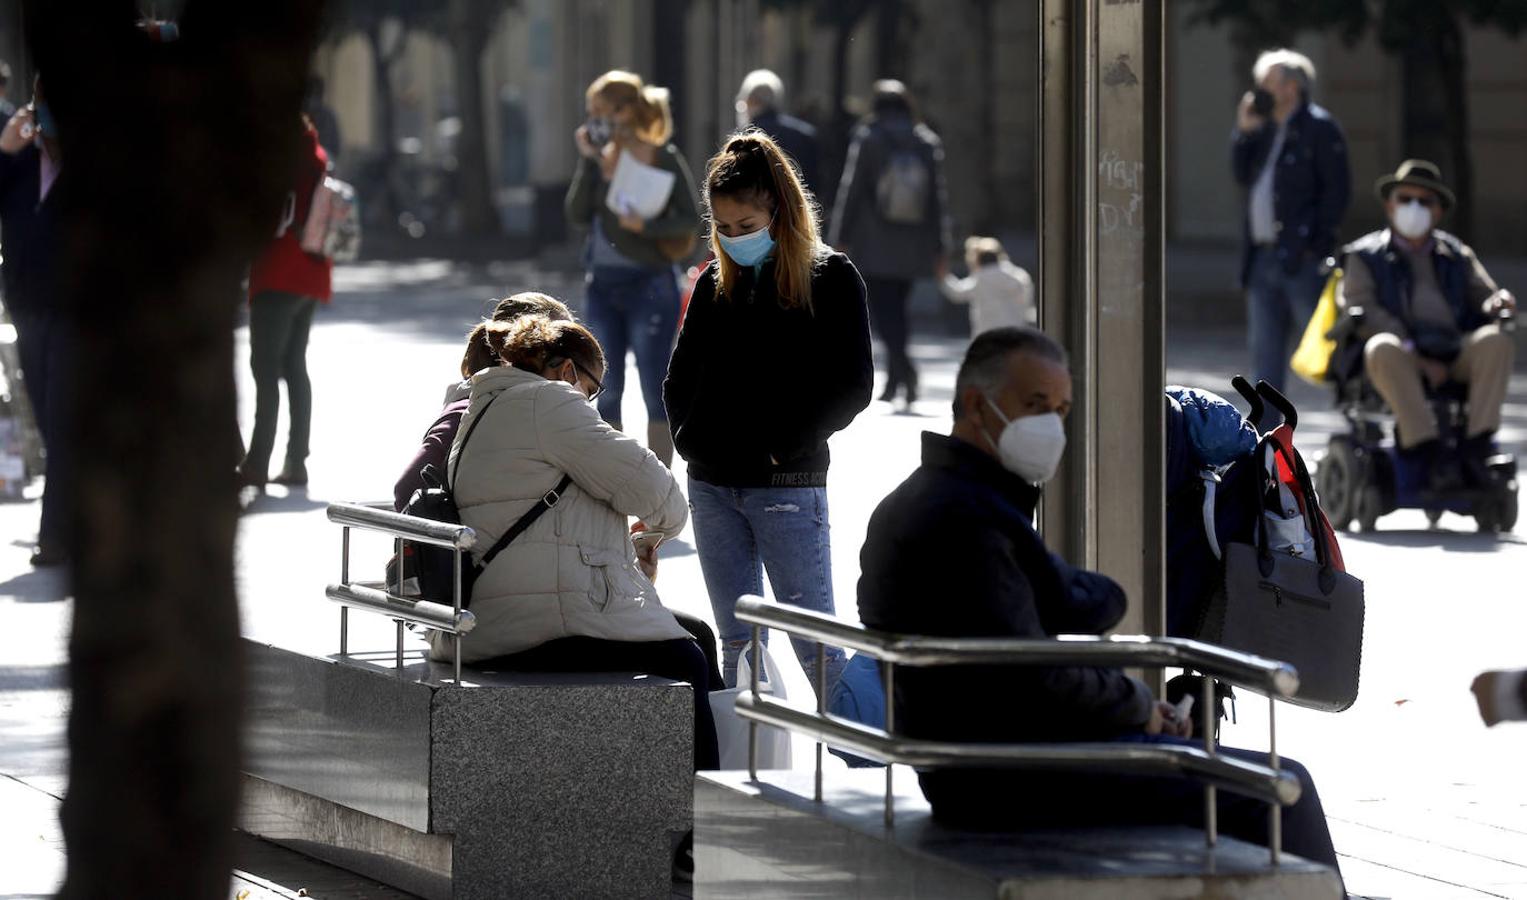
(1121, 203)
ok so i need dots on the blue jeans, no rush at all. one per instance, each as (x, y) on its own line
(633, 309)
(739, 532)
(1278, 306)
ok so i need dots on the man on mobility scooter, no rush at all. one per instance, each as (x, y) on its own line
(1429, 330)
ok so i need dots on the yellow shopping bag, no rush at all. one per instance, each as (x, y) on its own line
(1313, 356)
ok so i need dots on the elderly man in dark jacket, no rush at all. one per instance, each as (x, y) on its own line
(758, 104)
(1291, 157)
(953, 552)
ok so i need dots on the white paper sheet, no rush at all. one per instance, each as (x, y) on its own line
(637, 189)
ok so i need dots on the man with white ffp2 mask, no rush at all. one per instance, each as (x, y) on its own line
(952, 552)
(1430, 315)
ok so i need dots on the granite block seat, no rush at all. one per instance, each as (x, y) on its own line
(770, 839)
(506, 785)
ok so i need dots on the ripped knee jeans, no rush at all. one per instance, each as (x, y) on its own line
(743, 533)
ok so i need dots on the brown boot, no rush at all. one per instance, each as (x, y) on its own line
(660, 442)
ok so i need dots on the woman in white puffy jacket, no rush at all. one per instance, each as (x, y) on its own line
(571, 593)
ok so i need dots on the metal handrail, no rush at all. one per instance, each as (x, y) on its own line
(408, 609)
(398, 525)
(1243, 669)
(1245, 778)
(1269, 783)
(380, 518)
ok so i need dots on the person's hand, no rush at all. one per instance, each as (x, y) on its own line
(18, 132)
(941, 267)
(1434, 371)
(646, 559)
(585, 146)
(634, 224)
(1164, 720)
(1500, 301)
(1246, 118)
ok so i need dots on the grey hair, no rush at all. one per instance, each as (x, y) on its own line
(763, 87)
(985, 363)
(1293, 64)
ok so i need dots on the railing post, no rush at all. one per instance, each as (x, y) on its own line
(399, 624)
(888, 675)
(397, 544)
(1274, 811)
(752, 725)
(344, 578)
(1211, 807)
(821, 708)
(456, 597)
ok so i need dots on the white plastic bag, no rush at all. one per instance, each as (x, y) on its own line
(732, 729)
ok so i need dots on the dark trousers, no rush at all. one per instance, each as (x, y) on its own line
(681, 659)
(44, 345)
(988, 799)
(636, 310)
(279, 324)
(888, 317)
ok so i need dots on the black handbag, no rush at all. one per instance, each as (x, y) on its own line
(1299, 611)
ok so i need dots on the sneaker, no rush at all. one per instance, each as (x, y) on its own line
(47, 555)
(684, 860)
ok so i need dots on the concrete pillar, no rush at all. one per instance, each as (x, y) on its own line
(1101, 282)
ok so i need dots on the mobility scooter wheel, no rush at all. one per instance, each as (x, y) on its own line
(1505, 511)
(1370, 505)
(1337, 480)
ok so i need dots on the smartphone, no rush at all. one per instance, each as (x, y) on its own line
(646, 540)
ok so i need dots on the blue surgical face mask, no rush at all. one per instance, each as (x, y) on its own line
(749, 249)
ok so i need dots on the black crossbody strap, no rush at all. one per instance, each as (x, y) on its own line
(464, 441)
(528, 519)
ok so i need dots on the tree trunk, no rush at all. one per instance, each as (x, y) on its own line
(175, 162)
(1436, 118)
(471, 26)
(890, 55)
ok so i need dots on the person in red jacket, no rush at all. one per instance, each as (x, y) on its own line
(286, 284)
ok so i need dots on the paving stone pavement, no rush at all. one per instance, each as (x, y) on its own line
(1423, 800)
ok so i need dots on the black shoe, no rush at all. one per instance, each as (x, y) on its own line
(889, 394)
(46, 556)
(250, 480)
(684, 860)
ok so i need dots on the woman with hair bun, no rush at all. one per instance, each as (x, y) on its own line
(773, 359)
(572, 592)
(633, 292)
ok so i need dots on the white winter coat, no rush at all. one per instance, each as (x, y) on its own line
(1000, 294)
(573, 572)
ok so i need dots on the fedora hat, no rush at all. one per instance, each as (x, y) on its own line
(1418, 173)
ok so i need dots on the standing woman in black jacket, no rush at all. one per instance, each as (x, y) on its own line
(773, 358)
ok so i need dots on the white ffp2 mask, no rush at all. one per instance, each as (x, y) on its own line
(1413, 220)
(1030, 446)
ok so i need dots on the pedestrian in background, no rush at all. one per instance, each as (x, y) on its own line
(774, 358)
(632, 283)
(892, 218)
(760, 103)
(998, 293)
(1290, 155)
(30, 167)
(286, 284)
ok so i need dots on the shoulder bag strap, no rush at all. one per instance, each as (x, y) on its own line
(475, 422)
(528, 519)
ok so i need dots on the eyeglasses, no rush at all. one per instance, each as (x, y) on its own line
(1426, 200)
(598, 386)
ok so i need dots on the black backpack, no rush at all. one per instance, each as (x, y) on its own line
(433, 565)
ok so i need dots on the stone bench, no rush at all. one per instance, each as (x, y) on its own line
(507, 785)
(770, 839)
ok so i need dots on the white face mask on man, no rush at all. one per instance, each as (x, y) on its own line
(1412, 219)
(1029, 446)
